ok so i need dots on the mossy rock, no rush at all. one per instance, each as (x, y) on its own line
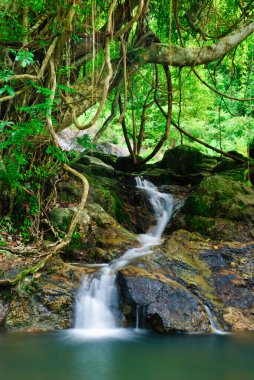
(217, 196)
(126, 164)
(61, 218)
(217, 229)
(108, 159)
(44, 303)
(227, 164)
(93, 160)
(159, 176)
(97, 238)
(94, 169)
(69, 191)
(185, 160)
(103, 191)
(220, 208)
(117, 195)
(239, 174)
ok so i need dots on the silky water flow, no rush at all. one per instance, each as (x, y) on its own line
(97, 302)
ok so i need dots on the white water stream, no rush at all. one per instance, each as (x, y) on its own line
(97, 301)
(97, 304)
(214, 325)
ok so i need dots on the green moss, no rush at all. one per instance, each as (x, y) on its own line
(200, 223)
(218, 196)
(199, 205)
(61, 218)
(69, 191)
(186, 160)
(119, 212)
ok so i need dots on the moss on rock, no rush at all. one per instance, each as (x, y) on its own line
(185, 160)
(221, 206)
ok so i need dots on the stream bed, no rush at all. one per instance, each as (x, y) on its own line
(128, 355)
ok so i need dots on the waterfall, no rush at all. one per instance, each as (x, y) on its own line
(97, 305)
(214, 325)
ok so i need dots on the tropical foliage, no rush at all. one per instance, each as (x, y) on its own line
(150, 73)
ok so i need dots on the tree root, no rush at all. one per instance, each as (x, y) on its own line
(54, 250)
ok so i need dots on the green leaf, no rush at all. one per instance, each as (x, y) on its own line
(85, 141)
(5, 74)
(26, 58)
(8, 89)
(58, 154)
(4, 124)
(65, 88)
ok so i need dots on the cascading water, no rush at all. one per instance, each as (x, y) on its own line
(97, 301)
(214, 325)
(97, 310)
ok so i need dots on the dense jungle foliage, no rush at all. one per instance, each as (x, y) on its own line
(150, 74)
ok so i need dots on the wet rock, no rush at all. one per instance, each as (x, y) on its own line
(214, 259)
(44, 302)
(219, 276)
(233, 290)
(169, 306)
(4, 308)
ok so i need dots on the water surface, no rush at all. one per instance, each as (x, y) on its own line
(129, 355)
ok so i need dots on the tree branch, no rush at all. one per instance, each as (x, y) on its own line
(193, 56)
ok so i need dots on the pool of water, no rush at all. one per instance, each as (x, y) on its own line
(128, 355)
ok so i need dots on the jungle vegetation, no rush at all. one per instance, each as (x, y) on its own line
(151, 73)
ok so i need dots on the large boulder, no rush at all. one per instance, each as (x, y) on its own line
(97, 238)
(191, 275)
(93, 166)
(167, 306)
(126, 164)
(185, 160)
(221, 208)
(42, 301)
(109, 159)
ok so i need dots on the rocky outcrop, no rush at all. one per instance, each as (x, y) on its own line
(185, 160)
(221, 208)
(186, 274)
(182, 165)
(166, 305)
(41, 302)
(98, 237)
